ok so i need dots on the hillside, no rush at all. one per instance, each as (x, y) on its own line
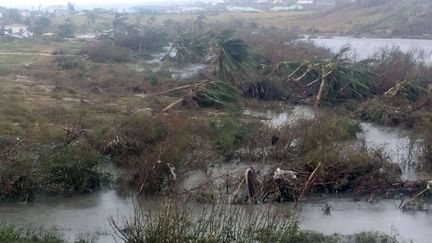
(402, 18)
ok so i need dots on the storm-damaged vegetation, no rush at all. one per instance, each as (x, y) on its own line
(145, 108)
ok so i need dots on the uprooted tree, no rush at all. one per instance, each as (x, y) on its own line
(334, 79)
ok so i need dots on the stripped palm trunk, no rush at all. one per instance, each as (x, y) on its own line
(320, 92)
(253, 184)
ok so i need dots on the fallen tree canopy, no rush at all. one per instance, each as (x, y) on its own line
(206, 93)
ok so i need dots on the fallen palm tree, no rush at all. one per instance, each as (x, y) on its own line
(403, 206)
(206, 93)
(407, 90)
(334, 79)
(188, 48)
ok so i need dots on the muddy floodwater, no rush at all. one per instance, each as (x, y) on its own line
(156, 64)
(88, 214)
(348, 217)
(363, 48)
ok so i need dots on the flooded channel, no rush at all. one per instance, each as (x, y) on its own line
(156, 64)
(364, 48)
(88, 214)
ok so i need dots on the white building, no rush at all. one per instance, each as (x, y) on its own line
(57, 10)
(191, 10)
(286, 9)
(305, 2)
(243, 9)
(86, 36)
(17, 30)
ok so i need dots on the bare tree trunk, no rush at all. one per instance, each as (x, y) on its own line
(320, 92)
(308, 184)
(176, 89)
(413, 199)
(173, 104)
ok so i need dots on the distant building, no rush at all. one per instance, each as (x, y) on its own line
(25, 13)
(243, 9)
(294, 7)
(1, 15)
(328, 3)
(86, 36)
(57, 10)
(17, 30)
(305, 2)
(191, 10)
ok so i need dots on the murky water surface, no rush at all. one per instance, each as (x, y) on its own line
(89, 213)
(366, 47)
(155, 64)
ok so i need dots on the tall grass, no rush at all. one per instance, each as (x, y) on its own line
(225, 223)
(215, 223)
(10, 234)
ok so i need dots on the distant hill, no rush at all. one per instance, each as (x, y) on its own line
(401, 18)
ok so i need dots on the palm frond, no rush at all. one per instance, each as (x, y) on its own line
(407, 90)
(216, 94)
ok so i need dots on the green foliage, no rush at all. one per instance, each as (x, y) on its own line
(9, 234)
(230, 55)
(407, 90)
(106, 52)
(40, 26)
(217, 223)
(72, 169)
(135, 37)
(190, 48)
(153, 79)
(67, 29)
(216, 94)
(342, 78)
(228, 135)
(265, 90)
(326, 130)
(42, 163)
(373, 237)
(224, 223)
(138, 134)
(66, 63)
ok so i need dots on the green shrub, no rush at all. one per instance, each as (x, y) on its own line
(325, 130)
(105, 52)
(227, 136)
(72, 169)
(9, 234)
(153, 79)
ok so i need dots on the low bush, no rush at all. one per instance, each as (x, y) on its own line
(323, 131)
(106, 52)
(72, 169)
(66, 63)
(228, 135)
(39, 162)
(10, 234)
(224, 223)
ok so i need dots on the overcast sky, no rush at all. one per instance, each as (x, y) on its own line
(35, 3)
